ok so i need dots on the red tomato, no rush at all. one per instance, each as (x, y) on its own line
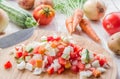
(32, 61)
(44, 14)
(60, 70)
(19, 54)
(50, 70)
(102, 61)
(35, 50)
(50, 38)
(61, 48)
(59, 54)
(73, 55)
(50, 60)
(62, 61)
(25, 54)
(81, 66)
(58, 38)
(75, 69)
(111, 23)
(7, 65)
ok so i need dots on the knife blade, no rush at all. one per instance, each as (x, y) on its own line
(16, 37)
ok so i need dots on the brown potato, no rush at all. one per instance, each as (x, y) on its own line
(114, 43)
(26, 4)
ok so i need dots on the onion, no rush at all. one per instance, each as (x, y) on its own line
(94, 9)
(4, 20)
(47, 2)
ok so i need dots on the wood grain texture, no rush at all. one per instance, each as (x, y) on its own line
(14, 73)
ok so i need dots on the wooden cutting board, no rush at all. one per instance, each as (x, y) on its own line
(14, 73)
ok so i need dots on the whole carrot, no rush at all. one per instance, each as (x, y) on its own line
(86, 27)
(77, 17)
(69, 24)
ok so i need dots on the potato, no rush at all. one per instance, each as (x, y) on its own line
(26, 4)
(114, 43)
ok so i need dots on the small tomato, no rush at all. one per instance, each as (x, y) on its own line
(44, 14)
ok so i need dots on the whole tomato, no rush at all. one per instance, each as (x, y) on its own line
(111, 22)
(44, 14)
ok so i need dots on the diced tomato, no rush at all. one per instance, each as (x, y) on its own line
(57, 39)
(25, 54)
(35, 51)
(61, 47)
(62, 61)
(19, 48)
(32, 61)
(19, 54)
(75, 69)
(7, 65)
(50, 60)
(73, 55)
(60, 70)
(70, 44)
(50, 70)
(50, 38)
(81, 66)
(59, 54)
(41, 50)
(102, 61)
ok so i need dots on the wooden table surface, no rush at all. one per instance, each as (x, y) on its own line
(58, 25)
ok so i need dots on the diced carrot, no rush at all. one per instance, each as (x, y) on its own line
(86, 27)
(77, 17)
(67, 65)
(96, 73)
(69, 24)
(39, 63)
(54, 44)
(41, 50)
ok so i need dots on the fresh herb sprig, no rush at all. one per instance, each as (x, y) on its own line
(67, 7)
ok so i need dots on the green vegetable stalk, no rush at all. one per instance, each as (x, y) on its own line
(17, 15)
(67, 7)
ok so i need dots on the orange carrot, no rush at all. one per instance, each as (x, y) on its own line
(96, 73)
(86, 27)
(69, 22)
(77, 17)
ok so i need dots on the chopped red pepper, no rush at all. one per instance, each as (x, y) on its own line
(57, 39)
(50, 38)
(50, 70)
(25, 54)
(75, 69)
(7, 65)
(81, 66)
(19, 54)
(62, 61)
(102, 61)
(60, 70)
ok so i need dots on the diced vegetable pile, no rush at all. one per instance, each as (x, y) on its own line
(55, 54)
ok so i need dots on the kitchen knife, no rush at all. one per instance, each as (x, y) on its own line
(16, 37)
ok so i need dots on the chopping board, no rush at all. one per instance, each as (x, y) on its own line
(14, 73)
